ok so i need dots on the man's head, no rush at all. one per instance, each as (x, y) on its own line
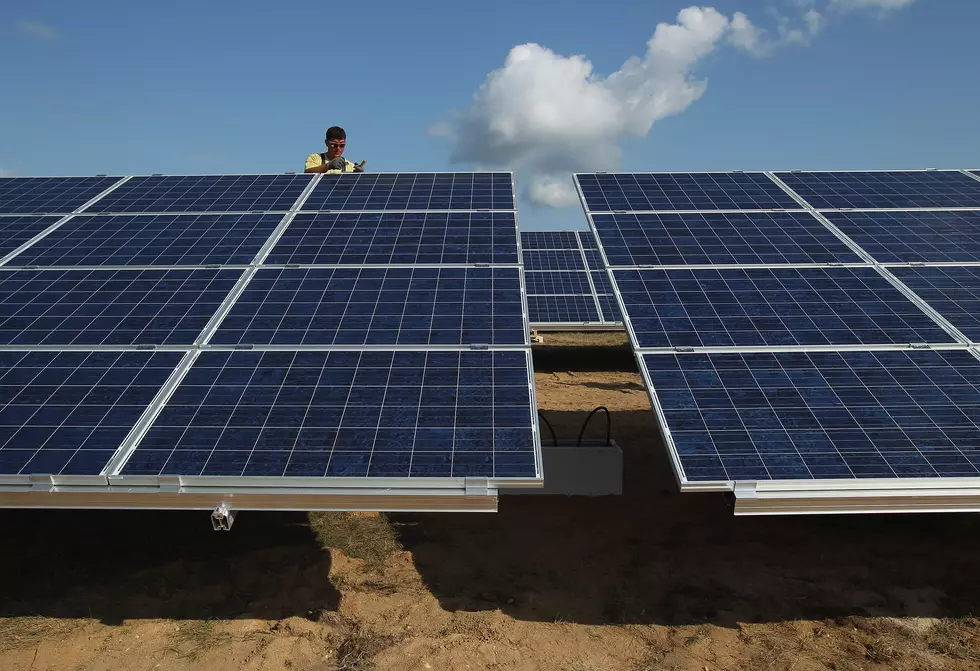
(336, 141)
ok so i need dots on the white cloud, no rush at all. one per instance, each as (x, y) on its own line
(37, 29)
(547, 115)
(746, 35)
(6, 173)
(550, 115)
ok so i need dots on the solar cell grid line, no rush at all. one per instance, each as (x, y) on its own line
(652, 192)
(50, 195)
(66, 413)
(379, 414)
(109, 307)
(952, 291)
(901, 189)
(761, 307)
(553, 259)
(593, 259)
(17, 230)
(152, 240)
(377, 306)
(586, 240)
(913, 236)
(609, 309)
(600, 282)
(758, 238)
(204, 193)
(540, 240)
(562, 308)
(398, 238)
(557, 282)
(819, 415)
(413, 192)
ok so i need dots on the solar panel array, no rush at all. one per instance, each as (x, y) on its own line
(566, 281)
(801, 326)
(289, 330)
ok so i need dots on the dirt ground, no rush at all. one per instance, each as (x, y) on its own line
(646, 581)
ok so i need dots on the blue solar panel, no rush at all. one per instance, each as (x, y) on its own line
(912, 236)
(821, 415)
(588, 240)
(771, 306)
(548, 240)
(901, 189)
(413, 191)
(552, 259)
(15, 231)
(557, 282)
(683, 191)
(378, 306)
(594, 259)
(109, 307)
(744, 238)
(402, 238)
(346, 414)
(66, 413)
(204, 193)
(40, 195)
(559, 309)
(163, 240)
(954, 292)
(600, 279)
(610, 309)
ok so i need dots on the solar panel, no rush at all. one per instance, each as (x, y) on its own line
(109, 307)
(561, 309)
(147, 240)
(600, 280)
(821, 415)
(894, 188)
(557, 282)
(49, 195)
(204, 193)
(398, 238)
(15, 231)
(409, 414)
(771, 306)
(594, 260)
(66, 413)
(682, 191)
(763, 238)
(413, 191)
(913, 236)
(548, 240)
(952, 291)
(378, 306)
(610, 308)
(553, 259)
(587, 240)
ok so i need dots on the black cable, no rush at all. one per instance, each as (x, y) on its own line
(554, 436)
(608, 425)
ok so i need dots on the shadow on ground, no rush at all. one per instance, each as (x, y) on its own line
(548, 359)
(118, 565)
(657, 556)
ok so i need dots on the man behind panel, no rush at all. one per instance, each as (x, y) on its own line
(333, 159)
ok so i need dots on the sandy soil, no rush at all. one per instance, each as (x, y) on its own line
(647, 581)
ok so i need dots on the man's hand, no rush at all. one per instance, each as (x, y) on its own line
(359, 167)
(336, 164)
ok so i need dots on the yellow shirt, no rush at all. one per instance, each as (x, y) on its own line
(316, 160)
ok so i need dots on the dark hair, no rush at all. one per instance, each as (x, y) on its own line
(336, 133)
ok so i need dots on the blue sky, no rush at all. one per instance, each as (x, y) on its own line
(183, 87)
